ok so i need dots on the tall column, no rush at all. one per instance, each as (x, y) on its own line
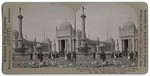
(65, 46)
(73, 45)
(117, 46)
(134, 40)
(70, 45)
(75, 33)
(137, 44)
(65, 49)
(129, 45)
(34, 50)
(34, 45)
(97, 44)
(54, 46)
(83, 29)
(60, 46)
(123, 45)
(77, 42)
(71, 40)
(20, 37)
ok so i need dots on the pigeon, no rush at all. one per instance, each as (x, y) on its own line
(41, 64)
(46, 64)
(123, 66)
(23, 62)
(60, 66)
(133, 64)
(115, 63)
(32, 63)
(18, 64)
(103, 64)
(24, 66)
(80, 63)
(127, 65)
(64, 65)
(92, 62)
(70, 64)
(85, 62)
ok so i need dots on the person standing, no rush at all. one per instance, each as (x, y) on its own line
(103, 56)
(41, 56)
(131, 56)
(31, 56)
(116, 55)
(93, 55)
(112, 55)
(69, 56)
(74, 56)
(136, 55)
(120, 55)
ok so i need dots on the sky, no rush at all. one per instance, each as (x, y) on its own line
(100, 19)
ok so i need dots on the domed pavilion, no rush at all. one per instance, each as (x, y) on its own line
(128, 37)
(65, 35)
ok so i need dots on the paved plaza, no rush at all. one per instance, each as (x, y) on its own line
(82, 61)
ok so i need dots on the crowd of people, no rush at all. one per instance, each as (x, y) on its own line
(68, 56)
(39, 56)
(72, 55)
(53, 55)
(102, 56)
(116, 55)
(131, 55)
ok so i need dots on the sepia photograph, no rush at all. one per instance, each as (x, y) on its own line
(73, 35)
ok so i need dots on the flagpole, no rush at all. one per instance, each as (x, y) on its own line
(75, 37)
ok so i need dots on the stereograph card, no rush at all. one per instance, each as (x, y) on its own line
(75, 38)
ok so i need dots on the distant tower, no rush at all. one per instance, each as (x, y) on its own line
(54, 45)
(83, 28)
(97, 44)
(26, 36)
(34, 50)
(107, 34)
(34, 46)
(44, 36)
(117, 45)
(20, 37)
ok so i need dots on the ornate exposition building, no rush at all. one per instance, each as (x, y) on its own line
(69, 40)
(128, 35)
(75, 40)
(65, 35)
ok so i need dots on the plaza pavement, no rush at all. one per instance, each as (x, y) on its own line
(84, 61)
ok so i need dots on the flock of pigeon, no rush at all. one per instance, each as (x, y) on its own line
(56, 63)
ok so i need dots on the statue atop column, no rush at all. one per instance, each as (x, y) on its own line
(20, 37)
(83, 9)
(83, 37)
(20, 10)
